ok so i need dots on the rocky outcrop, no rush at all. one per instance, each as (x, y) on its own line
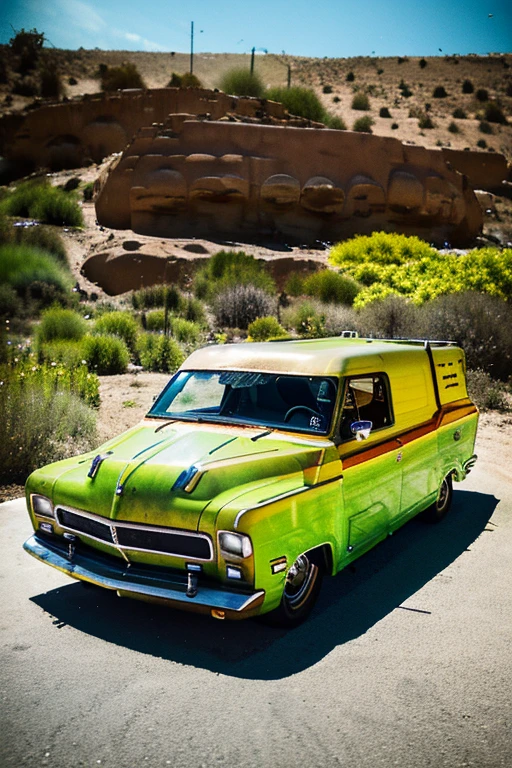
(484, 170)
(71, 134)
(199, 178)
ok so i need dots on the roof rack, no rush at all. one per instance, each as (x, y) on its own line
(424, 342)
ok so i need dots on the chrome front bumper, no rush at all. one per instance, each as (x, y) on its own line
(144, 585)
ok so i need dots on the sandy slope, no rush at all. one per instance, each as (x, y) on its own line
(380, 78)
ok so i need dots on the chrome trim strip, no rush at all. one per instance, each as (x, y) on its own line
(123, 580)
(286, 495)
(109, 523)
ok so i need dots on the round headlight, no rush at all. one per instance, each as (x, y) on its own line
(42, 505)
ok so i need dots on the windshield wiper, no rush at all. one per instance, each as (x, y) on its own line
(262, 434)
(163, 426)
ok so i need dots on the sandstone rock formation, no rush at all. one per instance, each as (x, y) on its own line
(68, 135)
(191, 177)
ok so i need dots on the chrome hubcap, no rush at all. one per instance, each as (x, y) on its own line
(298, 581)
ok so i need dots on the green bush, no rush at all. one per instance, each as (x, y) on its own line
(230, 268)
(350, 77)
(50, 205)
(155, 320)
(105, 355)
(384, 112)
(41, 423)
(467, 86)
(426, 122)
(485, 127)
(389, 263)
(28, 270)
(10, 303)
(363, 124)
(68, 353)
(423, 63)
(295, 284)
(453, 127)
(439, 92)
(185, 331)
(488, 394)
(88, 191)
(307, 318)
(361, 101)
(159, 353)
(494, 113)
(482, 94)
(482, 143)
(240, 82)
(120, 324)
(119, 78)
(327, 89)
(187, 80)
(331, 287)
(299, 101)
(44, 238)
(335, 123)
(193, 310)
(381, 248)
(266, 329)
(459, 113)
(405, 90)
(238, 306)
(60, 324)
(158, 296)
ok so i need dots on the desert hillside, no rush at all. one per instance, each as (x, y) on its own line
(405, 87)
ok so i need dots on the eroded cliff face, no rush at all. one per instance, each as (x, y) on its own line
(68, 135)
(202, 178)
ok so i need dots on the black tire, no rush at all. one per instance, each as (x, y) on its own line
(301, 590)
(438, 510)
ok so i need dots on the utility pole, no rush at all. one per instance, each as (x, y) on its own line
(252, 60)
(191, 47)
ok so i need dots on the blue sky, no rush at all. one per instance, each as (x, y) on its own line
(333, 28)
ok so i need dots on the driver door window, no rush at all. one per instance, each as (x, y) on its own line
(366, 398)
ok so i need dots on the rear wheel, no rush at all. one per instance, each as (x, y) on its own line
(438, 510)
(301, 589)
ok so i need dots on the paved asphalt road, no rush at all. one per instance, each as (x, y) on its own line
(407, 660)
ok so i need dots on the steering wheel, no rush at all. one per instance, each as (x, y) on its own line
(295, 408)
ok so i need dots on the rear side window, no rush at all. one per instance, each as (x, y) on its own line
(366, 398)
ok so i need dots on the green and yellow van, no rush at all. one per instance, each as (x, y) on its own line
(259, 469)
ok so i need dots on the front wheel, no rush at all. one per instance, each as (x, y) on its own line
(438, 510)
(301, 589)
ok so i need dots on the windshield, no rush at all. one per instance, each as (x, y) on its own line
(298, 403)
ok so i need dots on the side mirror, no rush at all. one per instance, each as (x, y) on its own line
(361, 429)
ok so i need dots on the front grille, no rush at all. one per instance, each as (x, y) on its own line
(170, 543)
(81, 524)
(128, 536)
